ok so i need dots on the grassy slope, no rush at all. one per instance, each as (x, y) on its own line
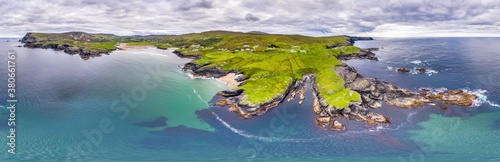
(270, 70)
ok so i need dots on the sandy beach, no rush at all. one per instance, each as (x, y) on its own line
(230, 79)
(124, 46)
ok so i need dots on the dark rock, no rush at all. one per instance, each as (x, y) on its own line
(230, 93)
(191, 66)
(180, 54)
(403, 70)
(365, 53)
(338, 126)
(421, 70)
(240, 78)
(210, 72)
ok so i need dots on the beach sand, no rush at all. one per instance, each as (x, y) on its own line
(230, 80)
(123, 46)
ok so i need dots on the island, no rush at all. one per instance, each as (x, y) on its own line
(268, 69)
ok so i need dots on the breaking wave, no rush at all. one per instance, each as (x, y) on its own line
(481, 98)
(199, 96)
(416, 62)
(269, 139)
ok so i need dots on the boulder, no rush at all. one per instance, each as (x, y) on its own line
(323, 121)
(338, 126)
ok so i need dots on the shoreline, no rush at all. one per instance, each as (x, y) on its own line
(125, 47)
(230, 80)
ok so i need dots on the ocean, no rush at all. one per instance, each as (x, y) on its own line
(138, 105)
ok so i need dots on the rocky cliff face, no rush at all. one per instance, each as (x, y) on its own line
(364, 53)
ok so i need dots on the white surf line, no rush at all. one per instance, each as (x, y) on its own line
(273, 139)
(199, 96)
(492, 103)
(269, 139)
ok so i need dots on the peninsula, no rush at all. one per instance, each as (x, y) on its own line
(270, 68)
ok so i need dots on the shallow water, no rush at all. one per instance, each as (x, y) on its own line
(62, 98)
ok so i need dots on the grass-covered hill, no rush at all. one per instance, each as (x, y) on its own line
(270, 62)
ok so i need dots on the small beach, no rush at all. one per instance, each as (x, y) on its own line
(230, 80)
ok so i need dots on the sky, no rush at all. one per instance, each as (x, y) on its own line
(377, 18)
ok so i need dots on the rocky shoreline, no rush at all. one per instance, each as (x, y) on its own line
(373, 92)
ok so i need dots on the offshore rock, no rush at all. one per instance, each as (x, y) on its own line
(403, 70)
(338, 126)
(323, 122)
(453, 97)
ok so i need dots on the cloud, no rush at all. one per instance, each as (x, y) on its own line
(309, 17)
(250, 17)
(190, 4)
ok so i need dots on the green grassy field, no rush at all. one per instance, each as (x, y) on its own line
(270, 72)
(270, 61)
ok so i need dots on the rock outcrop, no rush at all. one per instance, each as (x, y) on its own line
(373, 92)
(452, 97)
(364, 53)
(403, 70)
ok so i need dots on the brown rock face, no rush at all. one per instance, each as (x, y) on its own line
(222, 102)
(316, 106)
(454, 97)
(403, 70)
(338, 126)
(421, 70)
(323, 121)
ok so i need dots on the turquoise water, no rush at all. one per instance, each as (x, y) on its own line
(64, 101)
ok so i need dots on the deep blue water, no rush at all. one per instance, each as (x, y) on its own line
(62, 98)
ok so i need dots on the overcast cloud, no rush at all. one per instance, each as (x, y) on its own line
(308, 17)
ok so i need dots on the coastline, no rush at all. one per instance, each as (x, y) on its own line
(370, 91)
(373, 93)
